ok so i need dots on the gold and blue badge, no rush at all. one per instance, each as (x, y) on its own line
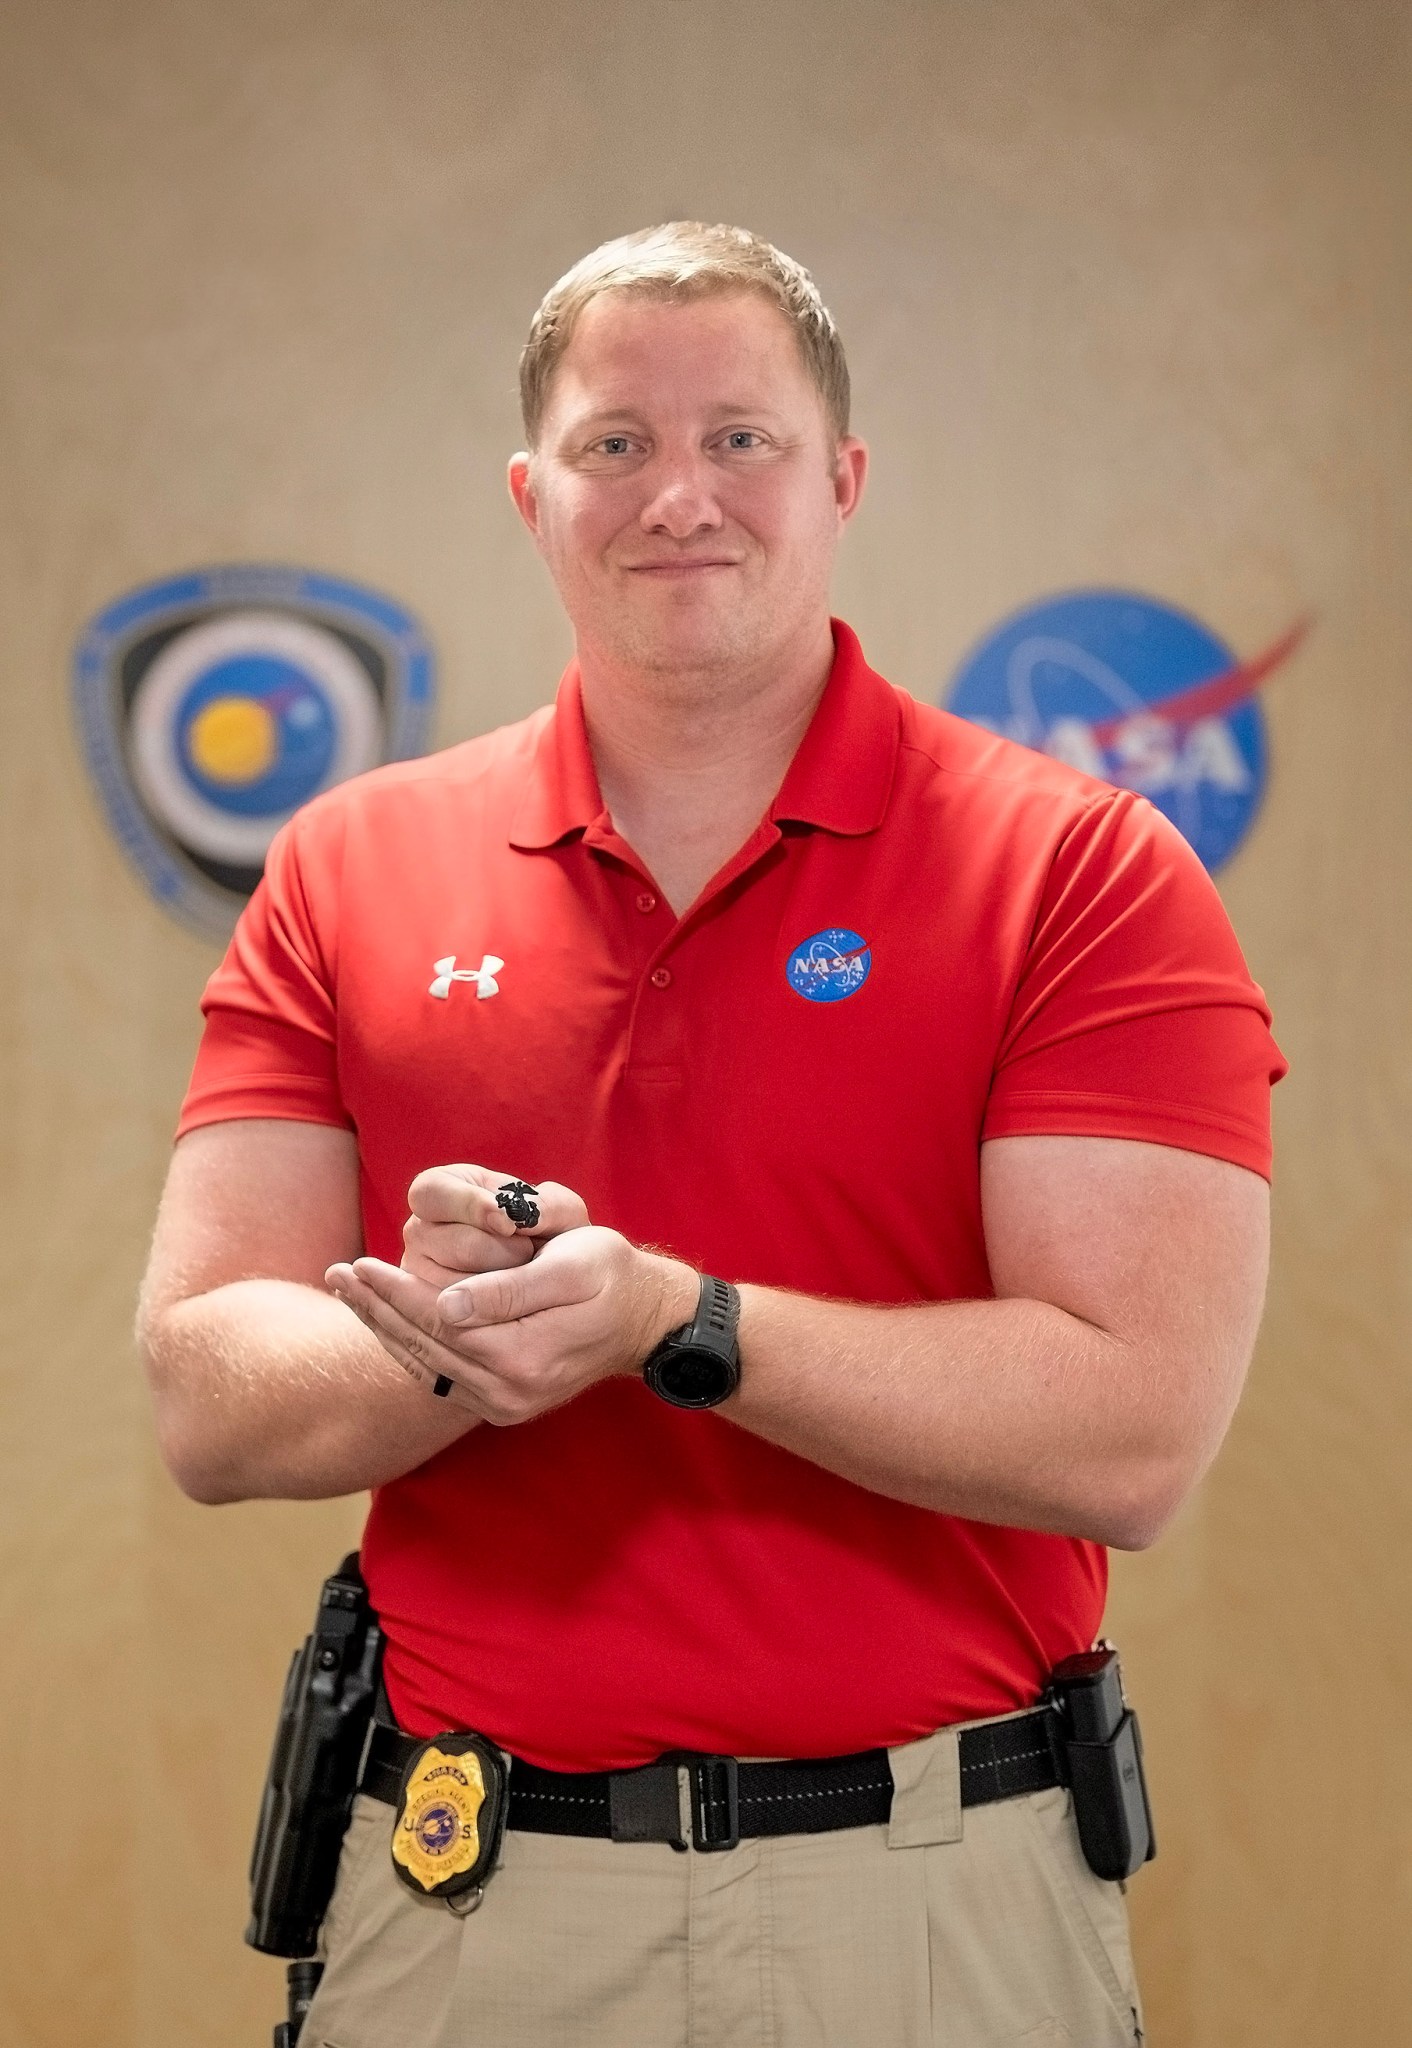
(450, 1818)
(212, 705)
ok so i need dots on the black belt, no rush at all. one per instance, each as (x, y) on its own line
(729, 1800)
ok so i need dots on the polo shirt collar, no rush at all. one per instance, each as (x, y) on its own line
(839, 778)
(562, 794)
(842, 771)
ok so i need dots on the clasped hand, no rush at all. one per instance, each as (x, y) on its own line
(518, 1320)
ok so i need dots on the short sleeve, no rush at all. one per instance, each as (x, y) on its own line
(269, 1048)
(1135, 1015)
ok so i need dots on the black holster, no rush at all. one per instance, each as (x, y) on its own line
(324, 1719)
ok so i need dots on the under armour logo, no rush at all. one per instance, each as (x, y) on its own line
(446, 971)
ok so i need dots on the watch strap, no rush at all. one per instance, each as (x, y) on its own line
(711, 1334)
(717, 1318)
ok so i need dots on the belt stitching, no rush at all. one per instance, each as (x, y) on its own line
(559, 1798)
(746, 1798)
(823, 1792)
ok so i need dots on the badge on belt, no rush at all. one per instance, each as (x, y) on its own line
(450, 1819)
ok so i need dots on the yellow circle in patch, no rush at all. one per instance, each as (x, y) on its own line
(233, 739)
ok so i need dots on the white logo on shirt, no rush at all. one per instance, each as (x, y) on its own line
(446, 971)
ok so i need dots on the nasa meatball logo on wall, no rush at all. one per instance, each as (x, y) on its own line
(212, 705)
(1136, 692)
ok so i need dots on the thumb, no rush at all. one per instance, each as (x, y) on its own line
(560, 1274)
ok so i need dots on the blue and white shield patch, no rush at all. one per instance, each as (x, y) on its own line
(212, 705)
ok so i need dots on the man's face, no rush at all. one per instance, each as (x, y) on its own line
(687, 492)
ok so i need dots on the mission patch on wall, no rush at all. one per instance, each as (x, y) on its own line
(213, 704)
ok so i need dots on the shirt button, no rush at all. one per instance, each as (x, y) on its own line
(646, 903)
(661, 977)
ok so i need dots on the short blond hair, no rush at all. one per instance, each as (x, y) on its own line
(676, 262)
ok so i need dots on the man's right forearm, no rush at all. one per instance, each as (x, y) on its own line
(268, 1389)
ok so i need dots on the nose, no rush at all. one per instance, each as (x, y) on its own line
(682, 500)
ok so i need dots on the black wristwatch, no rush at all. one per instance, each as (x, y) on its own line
(698, 1365)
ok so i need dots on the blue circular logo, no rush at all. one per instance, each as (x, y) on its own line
(829, 966)
(438, 1829)
(1138, 693)
(256, 735)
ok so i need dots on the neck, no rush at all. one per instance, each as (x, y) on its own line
(689, 761)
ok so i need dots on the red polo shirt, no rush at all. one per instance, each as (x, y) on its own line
(934, 938)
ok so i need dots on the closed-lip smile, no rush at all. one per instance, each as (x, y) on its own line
(686, 566)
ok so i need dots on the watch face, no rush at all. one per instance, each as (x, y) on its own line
(693, 1379)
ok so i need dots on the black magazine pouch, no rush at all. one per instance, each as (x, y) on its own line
(1101, 1747)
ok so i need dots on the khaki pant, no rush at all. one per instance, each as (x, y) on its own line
(940, 1930)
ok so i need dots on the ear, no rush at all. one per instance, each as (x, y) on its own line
(519, 476)
(850, 474)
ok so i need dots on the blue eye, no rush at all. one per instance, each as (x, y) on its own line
(614, 444)
(741, 438)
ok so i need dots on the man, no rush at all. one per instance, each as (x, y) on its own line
(939, 1052)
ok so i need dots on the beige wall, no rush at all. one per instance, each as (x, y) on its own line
(1126, 290)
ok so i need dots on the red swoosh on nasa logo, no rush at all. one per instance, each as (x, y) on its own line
(839, 960)
(1217, 694)
(831, 967)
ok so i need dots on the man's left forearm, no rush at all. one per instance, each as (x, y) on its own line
(1004, 1411)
